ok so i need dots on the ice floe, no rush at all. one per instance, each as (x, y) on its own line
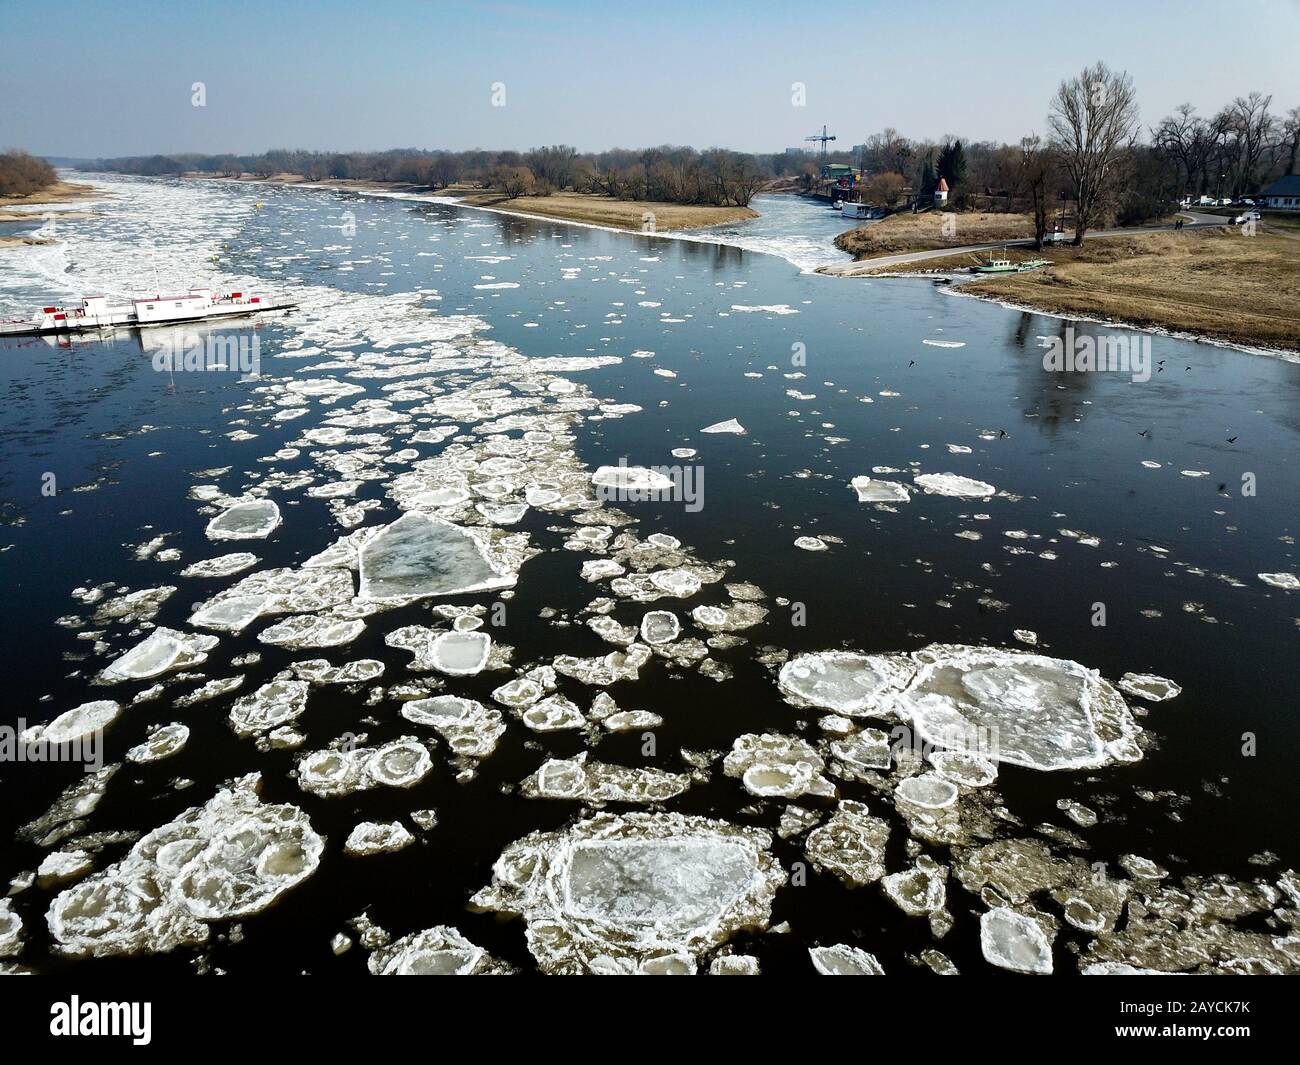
(871, 490)
(1149, 687)
(421, 555)
(951, 484)
(643, 892)
(843, 960)
(374, 837)
(161, 651)
(437, 951)
(253, 520)
(231, 858)
(1010, 940)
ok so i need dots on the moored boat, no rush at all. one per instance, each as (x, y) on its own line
(97, 312)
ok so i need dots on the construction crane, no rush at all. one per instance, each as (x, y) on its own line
(823, 137)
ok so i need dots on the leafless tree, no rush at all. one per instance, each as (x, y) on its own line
(1094, 120)
(1040, 181)
(1252, 129)
(1290, 140)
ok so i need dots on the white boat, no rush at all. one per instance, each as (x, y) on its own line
(859, 210)
(96, 312)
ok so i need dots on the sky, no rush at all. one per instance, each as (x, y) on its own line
(98, 79)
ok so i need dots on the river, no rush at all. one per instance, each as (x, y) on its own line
(1159, 500)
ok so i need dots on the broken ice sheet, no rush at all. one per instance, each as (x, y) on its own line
(162, 650)
(1017, 707)
(438, 951)
(871, 490)
(843, 960)
(1010, 940)
(1148, 686)
(471, 729)
(774, 766)
(1001, 705)
(79, 723)
(851, 845)
(230, 858)
(403, 763)
(951, 484)
(253, 520)
(420, 555)
(597, 782)
(643, 892)
(276, 703)
(372, 837)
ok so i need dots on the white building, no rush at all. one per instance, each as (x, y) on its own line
(941, 193)
(1282, 195)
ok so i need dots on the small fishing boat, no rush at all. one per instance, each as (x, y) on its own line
(1006, 266)
(96, 312)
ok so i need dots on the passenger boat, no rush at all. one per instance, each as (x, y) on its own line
(97, 312)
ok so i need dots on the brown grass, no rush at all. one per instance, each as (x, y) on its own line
(908, 232)
(59, 192)
(1215, 283)
(603, 211)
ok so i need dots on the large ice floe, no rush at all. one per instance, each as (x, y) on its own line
(230, 858)
(644, 892)
(1014, 941)
(253, 520)
(161, 651)
(420, 556)
(402, 763)
(1002, 705)
(952, 484)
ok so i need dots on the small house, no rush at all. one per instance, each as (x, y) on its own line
(941, 193)
(1282, 195)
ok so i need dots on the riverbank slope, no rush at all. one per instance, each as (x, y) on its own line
(1215, 283)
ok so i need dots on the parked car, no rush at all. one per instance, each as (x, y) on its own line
(1247, 216)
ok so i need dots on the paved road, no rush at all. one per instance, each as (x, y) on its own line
(868, 266)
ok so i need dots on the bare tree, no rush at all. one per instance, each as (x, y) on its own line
(1186, 138)
(1094, 120)
(1252, 129)
(1290, 141)
(514, 181)
(1039, 177)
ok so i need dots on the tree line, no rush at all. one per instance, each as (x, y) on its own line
(668, 173)
(1092, 162)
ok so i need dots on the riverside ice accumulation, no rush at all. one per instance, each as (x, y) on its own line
(466, 436)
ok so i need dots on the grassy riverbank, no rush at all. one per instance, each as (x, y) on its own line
(1211, 282)
(604, 211)
(907, 232)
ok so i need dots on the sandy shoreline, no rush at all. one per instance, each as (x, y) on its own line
(59, 192)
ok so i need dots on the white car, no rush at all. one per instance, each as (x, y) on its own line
(1247, 216)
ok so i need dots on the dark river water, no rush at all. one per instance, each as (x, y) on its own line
(1174, 561)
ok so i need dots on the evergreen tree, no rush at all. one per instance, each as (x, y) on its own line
(952, 163)
(928, 179)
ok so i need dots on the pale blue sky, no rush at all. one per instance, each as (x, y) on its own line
(101, 79)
